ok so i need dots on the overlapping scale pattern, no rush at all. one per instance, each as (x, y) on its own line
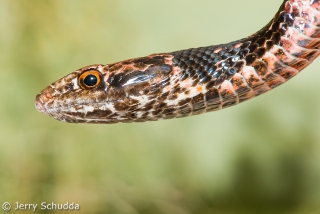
(246, 68)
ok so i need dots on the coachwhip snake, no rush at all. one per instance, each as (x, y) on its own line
(189, 82)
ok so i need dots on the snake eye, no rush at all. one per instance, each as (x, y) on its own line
(89, 79)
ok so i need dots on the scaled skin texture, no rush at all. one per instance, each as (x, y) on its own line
(193, 81)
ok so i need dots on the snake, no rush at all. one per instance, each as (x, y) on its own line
(189, 82)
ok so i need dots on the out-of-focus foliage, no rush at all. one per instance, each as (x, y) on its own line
(262, 156)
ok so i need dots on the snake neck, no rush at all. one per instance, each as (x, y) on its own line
(240, 70)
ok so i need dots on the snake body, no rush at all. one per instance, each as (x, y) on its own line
(193, 81)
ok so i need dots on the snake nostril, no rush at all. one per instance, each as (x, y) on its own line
(48, 95)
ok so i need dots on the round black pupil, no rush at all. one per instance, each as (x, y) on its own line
(90, 80)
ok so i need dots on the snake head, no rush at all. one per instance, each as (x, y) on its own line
(119, 92)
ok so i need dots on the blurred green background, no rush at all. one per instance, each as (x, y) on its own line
(262, 156)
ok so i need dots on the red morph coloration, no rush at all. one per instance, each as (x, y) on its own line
(189, 82)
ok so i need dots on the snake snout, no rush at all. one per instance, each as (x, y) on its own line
(41, 100)
(39, 104)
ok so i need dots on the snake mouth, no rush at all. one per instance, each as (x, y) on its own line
(40, 105)
(77, 113)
